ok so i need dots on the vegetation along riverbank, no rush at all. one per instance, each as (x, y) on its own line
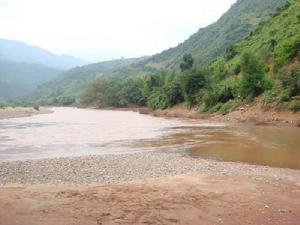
(257, 78)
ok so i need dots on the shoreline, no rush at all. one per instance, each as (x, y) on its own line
(116, 168)
(256, 115)
(18, 112)
(146, 188)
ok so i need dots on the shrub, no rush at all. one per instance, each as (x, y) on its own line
(268, 97)
(284, 96)
(36, 107)
(253, 80)
(2, 105)
(294, 106)
(193, 81)
(228, 106)
(158, 100)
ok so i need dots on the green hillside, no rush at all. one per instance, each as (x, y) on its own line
(70, 84)
(207, 44)
(265, 67)
(275, 45)
(210, 42)
(18, 79)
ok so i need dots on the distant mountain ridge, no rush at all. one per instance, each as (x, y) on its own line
(19, 78)
(18, 51)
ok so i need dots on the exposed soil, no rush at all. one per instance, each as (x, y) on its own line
(261, 115)
(183, 199)
(257, 114)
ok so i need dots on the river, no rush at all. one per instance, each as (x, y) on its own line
(78, 132)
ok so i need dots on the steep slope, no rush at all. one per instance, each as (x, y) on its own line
(17, 79)
(21, 52)
(210, 42)
(276, 42)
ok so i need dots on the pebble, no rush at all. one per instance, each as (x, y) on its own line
(124, 167)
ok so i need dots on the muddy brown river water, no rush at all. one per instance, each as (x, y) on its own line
(77, 132)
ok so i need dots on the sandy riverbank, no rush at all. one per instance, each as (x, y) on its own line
(146, 188)
(16, 112)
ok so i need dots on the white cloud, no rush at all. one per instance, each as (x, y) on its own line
(105, 29)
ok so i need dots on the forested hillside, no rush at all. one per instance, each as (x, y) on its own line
(262, 67)
(69, 86)
(207, 44)
(18, 79)
(210, 42)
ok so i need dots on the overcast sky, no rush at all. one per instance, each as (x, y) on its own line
(99, 30)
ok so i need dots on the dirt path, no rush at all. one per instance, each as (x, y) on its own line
(185, 199)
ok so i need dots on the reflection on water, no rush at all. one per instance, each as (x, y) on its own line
(73, 132)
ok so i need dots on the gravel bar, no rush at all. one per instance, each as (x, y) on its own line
(126, 167)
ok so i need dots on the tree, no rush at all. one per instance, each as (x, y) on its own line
(230, 53)
(174, 92)
(253, 79)
(187, 63)
(193, 81)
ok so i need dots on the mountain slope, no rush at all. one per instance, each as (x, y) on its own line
(70, 84)
(210, 42)
(276, 42)
(18, 79)
(21, 52)
(207, 44)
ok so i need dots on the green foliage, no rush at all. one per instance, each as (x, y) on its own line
(221, 92)
(229, 106)
(294, 106)
(268, 97)
(187, 63)
(253, 80)
(174, 92)
(284, 96)
(236, 76)
(158, 100)
(193, 80)
(211, 42)
(3, 105)
(18, 79)
(230, 53)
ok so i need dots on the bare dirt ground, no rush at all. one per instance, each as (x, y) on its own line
(256, 114)
(192, 199)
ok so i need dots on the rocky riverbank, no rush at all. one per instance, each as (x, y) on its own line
(127, 167)
(146, 188)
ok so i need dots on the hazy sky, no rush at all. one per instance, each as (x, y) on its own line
(99, 30)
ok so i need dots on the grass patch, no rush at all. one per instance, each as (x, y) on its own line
(294, 106)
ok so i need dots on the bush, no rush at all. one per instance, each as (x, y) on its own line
(253, 80)
(284, 96)
(193, 81)
(158, 100)
(221, 93)
(294, 106)
(2, 105)
(229, 106)
(36, 107)
(268, 97)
